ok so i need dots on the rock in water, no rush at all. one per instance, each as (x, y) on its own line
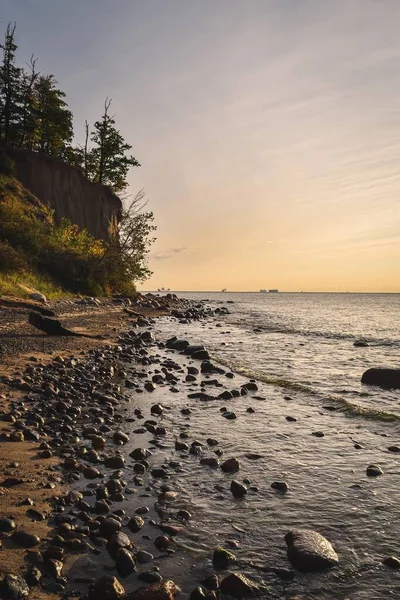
(164, 590)
(238, 489)
(310, 551)
(107, 588)
(222, 558)
(238, 586)
(386, 378)
(374, 471)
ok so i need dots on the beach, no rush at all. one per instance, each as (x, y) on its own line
(131, 427)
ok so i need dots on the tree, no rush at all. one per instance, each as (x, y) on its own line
(10, 89)
(109, 161)
(54, 129)
(125, 254)
(28, 110)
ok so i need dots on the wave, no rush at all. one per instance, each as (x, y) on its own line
(279, 328)
(351, 409)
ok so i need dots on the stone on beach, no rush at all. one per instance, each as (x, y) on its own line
(164, 590)
(238, 489)
(309, 551)
(238, 586)
(107, 588)
(230, 465)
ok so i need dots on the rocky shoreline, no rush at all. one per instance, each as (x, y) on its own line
(95, 425)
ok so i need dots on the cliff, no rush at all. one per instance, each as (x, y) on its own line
(63, 188)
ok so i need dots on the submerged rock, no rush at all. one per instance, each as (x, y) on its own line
(309, 551)
(392, 562)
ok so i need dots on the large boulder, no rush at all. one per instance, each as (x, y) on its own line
(387, 378)
(309, 551)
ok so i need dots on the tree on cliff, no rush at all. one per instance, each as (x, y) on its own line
(53, 129)
(109, 161)
(10, 89)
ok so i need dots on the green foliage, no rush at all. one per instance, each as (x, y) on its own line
(32, 245)
(11, 260)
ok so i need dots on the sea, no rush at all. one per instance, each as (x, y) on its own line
(299, 348)
(305, 341)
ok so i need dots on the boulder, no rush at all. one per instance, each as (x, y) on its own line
(14, 587)
(222, 558)
(238, 586)
(309, 551)
(386, 378)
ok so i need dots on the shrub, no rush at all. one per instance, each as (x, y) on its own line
(11, 260)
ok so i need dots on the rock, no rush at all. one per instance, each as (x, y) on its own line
(140, 454)
(238, 489)
(181, 445)
(238, 586)
(149, 577)
(6, 525)
(319, 434)
(394, 448)
(392, 562)
(222, 558)
(26, 540)
(114, 462)
(361, 344)
(109, 527)
(309, 551)
(164, 590)
(144, 557)
(107, 588)
(230, 465)
(210, 461)
(156, 409)
(91, 473)
(135, 524)
(386, 378)
(291, 419)
(211, 582)
(197, 594)
(162, 543)
(124, 562)
(149, 386)
(229, 415)
(281, 486)
(117, 541)
(14, 587)
(374, 471)
(120, 437)
(38, 297)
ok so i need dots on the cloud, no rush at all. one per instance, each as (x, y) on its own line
(168, 253)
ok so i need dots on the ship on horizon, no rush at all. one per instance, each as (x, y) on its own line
(272, 291)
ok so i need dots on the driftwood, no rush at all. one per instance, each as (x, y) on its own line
(54, 327)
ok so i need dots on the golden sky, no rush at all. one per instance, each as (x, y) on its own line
(268, 131)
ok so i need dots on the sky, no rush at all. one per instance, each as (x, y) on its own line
(268, 130)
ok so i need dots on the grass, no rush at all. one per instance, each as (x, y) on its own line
(9, 286)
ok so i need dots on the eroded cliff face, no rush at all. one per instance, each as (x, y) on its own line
(64, 189)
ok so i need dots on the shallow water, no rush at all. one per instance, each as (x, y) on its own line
(306, 341)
